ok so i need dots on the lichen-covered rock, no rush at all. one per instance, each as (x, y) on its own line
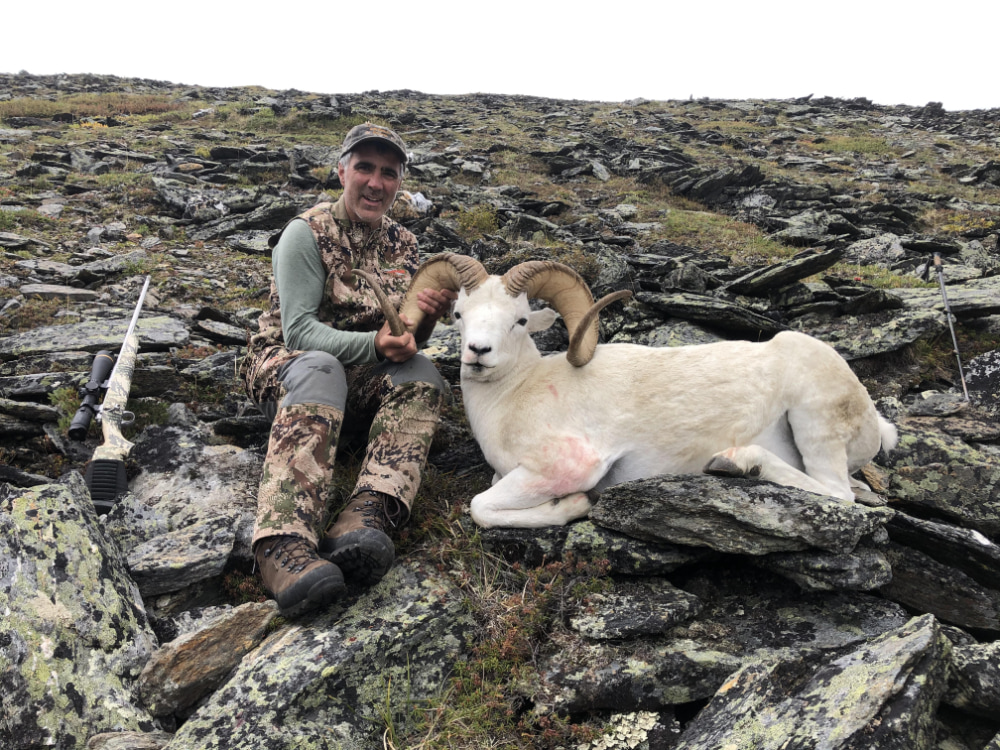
(871, 334)
(129, 741)
(734, 515)
(333, 679)
(925, 585)
(965, 550)
(625, 554)
(634, 609)
(154, 331)
(946, 476)
(171, 561)
(185, 482)
(635, 730)
(716, 311)
(878, 695)
(974, 679)
(747, 616)
(74, 635)
(975, 298)
(864, 569)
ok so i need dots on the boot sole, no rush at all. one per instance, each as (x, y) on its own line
(305, 595)
(365, 555)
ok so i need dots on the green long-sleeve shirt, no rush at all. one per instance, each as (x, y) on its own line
(301, 280)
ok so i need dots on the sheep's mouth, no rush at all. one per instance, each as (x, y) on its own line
(476, 368)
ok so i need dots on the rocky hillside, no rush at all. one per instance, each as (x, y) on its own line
(687, 612)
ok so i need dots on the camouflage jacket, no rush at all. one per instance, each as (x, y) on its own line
(388, 251)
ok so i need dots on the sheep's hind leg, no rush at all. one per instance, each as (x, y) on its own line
(756, 462)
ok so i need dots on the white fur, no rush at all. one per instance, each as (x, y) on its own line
(789, 410)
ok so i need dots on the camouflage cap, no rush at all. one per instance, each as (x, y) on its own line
(370, 132)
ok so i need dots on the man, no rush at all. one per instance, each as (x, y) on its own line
(322, 351)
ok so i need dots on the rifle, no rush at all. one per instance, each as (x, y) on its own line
(105, 474)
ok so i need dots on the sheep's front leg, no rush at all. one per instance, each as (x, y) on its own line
(523, 499)
(758, 462)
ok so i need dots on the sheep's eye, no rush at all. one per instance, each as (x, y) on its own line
(522, 322)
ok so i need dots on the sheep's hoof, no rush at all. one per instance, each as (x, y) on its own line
(723, 466)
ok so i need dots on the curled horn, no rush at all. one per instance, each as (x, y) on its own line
(567, 292)
(441, 271)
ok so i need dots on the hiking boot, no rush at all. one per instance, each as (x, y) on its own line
(357, 542)
(296, 576)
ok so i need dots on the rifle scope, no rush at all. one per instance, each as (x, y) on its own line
(90, 394)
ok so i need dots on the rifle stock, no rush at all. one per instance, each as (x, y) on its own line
(105, 473)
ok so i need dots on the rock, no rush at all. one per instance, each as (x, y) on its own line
(74, 634)
(863, 569)
(183, 671)
(945, 476)
(156, 332)
(634, 610)
(873, 696)
(763, 280)
(734, 515)
(174, 560)
(743, 621)
(974, 679)
(58, 291)
(407, 631)
(872, 334)
(129, 741)
(714, 311)
(920, 582)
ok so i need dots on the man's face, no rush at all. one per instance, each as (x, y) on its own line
(370, 182)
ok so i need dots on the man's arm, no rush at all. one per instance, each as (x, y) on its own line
(301, 280)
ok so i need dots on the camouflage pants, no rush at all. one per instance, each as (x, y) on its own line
(307, 395)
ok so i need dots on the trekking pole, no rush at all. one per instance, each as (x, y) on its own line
(947, 310)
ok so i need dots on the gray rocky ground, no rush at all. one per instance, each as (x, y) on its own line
(686, 612)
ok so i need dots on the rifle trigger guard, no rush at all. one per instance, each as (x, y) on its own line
(128, 417)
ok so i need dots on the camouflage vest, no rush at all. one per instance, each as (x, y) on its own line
(389, 251)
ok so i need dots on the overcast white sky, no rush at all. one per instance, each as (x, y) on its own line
(890, 51)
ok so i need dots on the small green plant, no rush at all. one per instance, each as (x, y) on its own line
(878, 277)
(867, 145)
(477, 221)
(744, 244)
(67, 401)
(24, 219)
(37, 313)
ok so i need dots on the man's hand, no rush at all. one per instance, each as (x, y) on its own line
(435, 302)
(395, 348)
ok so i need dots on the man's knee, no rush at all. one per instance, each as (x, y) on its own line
(417, 369)
(314, 378)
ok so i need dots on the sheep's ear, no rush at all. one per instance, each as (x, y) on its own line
(539, 320)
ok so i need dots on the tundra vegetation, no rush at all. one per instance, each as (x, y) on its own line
(104, 180)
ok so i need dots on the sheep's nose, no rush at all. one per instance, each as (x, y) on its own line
(480, 350)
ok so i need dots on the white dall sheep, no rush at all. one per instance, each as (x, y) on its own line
(558, 427)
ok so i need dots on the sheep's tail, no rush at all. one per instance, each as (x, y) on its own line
(889, 434)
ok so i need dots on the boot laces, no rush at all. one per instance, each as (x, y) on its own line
(291, 552)
(376, 514)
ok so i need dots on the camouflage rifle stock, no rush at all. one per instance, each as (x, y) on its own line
(105, 473)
